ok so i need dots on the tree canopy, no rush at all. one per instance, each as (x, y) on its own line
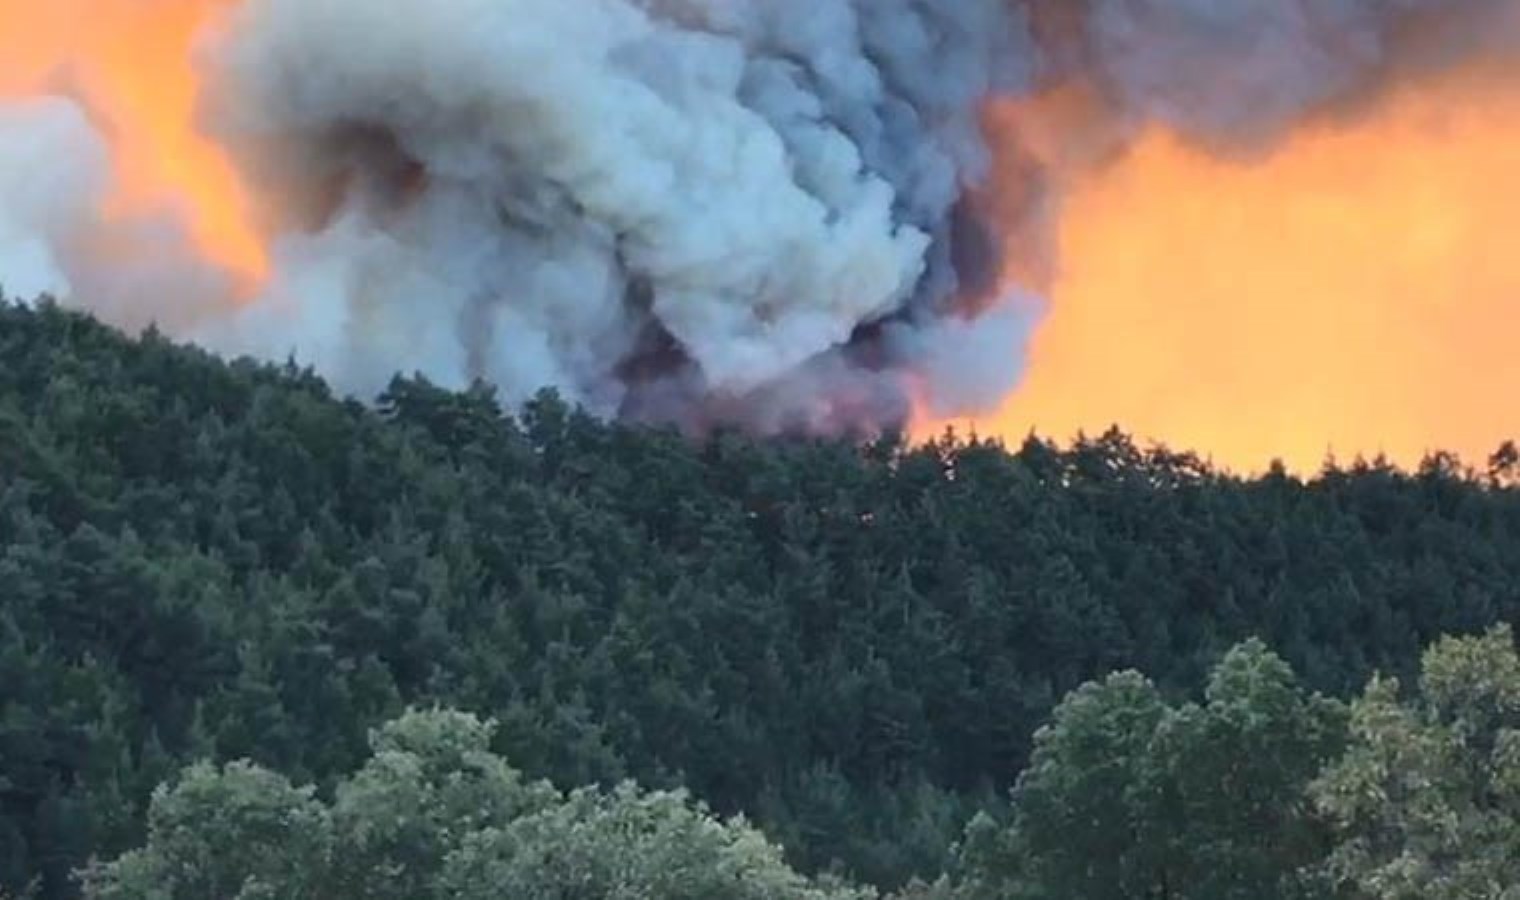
(434, 813)
(1126, 796)
(851, 644)
(1427, 798)
(1263, 791)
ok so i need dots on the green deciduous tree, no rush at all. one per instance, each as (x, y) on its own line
(627, 845)
(1427, 798)
(435, 814)
(238, 832)
(430, 782)
(1128, 798)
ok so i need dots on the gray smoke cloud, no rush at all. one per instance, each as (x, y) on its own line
(764, 212)
(672, 208)
(133, 270)
(53, 169)
(1242, 72)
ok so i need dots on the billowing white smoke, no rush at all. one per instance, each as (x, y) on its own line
(752, 211)
(53, 170)
(678, 205)
(54, 178)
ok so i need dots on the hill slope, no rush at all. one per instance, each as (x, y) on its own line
(852, 644)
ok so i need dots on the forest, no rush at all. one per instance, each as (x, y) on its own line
(261, 641)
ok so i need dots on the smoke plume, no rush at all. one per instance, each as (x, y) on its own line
(52, 166)
(672, 209)
(775, 213)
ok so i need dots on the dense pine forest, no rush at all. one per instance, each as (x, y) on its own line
(260, 641)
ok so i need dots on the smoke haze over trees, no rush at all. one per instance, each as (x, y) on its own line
(854, 646)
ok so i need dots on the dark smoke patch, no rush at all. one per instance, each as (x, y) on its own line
(1235, 77)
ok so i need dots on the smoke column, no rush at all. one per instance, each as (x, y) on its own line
(698, 211)
(791, 215)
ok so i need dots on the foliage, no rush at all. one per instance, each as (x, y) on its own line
(623, 846)
(1128, 797)
(852, 644)
(238, 832)
(403, 827)
(1427, 799)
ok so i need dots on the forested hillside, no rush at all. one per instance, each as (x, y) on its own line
(852, 645)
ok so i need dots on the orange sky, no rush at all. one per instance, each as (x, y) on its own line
(131, 60)
(1359, 290)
